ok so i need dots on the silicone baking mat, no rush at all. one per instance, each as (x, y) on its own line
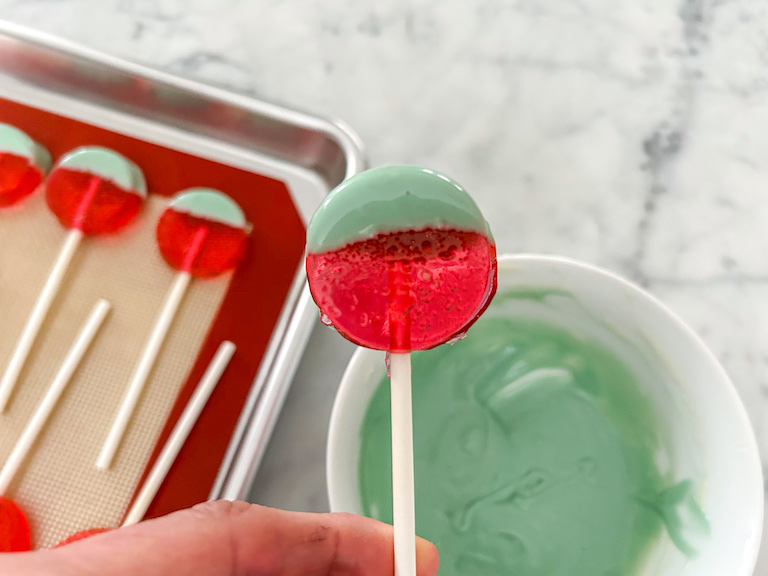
(59, 487)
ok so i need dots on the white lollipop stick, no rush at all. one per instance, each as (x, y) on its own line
(37, 317)
(143, 368)
(403, 501)
(36, 424)
(180, 432)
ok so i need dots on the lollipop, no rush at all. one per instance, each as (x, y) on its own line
(202, 233)
(14, 528)
(173, 445)
(400, 258)
(91, 191)
(23, 164)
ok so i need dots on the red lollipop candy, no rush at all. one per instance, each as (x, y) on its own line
(91, 191)
(203, 233)
(400, 258)
(14, 528)
(23, 164)
(406, 290)
(95, 191)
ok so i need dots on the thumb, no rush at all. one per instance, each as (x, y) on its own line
(229, 539)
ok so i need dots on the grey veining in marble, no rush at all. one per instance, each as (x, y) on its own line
(628, 133)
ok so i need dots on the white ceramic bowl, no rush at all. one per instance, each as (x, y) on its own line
(706, 434)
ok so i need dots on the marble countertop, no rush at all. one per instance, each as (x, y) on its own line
(630, 134)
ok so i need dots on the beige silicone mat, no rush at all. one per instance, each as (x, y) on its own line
(59, 487)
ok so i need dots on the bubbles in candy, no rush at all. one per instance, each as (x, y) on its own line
(95, 190)
(23, 164)
(400, 258)
(14, 528)
(203, 232)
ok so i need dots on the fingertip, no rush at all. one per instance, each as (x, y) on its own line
(427, 558)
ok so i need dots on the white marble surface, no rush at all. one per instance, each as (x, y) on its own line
(628, 133)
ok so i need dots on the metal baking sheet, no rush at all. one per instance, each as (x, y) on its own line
(310, 154)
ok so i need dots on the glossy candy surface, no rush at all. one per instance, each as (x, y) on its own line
(95, 190)
(202, 232)
(23, 164)
(405, 290)
(399, 258)
(14, 528)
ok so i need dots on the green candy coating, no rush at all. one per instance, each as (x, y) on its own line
(392, 199)
(106, 164)
(535, 454)
(14, 141)
(210, 204)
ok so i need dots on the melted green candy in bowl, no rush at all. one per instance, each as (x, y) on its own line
(534, 457)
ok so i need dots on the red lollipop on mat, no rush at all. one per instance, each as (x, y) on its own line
(400, 258)
(14, 528)
(23, 165)
(91, 191)
(95, 191)
(203, 233)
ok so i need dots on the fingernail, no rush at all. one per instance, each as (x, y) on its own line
(427, 558)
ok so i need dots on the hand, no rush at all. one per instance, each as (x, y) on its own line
(229, 539)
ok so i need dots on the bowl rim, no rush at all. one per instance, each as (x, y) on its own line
(753, 462)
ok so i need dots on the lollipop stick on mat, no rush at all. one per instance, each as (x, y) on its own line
(14, 528)
(37, 317)
(43, 412)
(403, 502)
(91, 191)
(172, 446)
(143, 368)
(202, 233)
(180, 432)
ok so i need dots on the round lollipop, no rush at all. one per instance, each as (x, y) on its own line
(91, 191)
(203, 233)
(95, 191)
(23, 165)
(400, 258)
